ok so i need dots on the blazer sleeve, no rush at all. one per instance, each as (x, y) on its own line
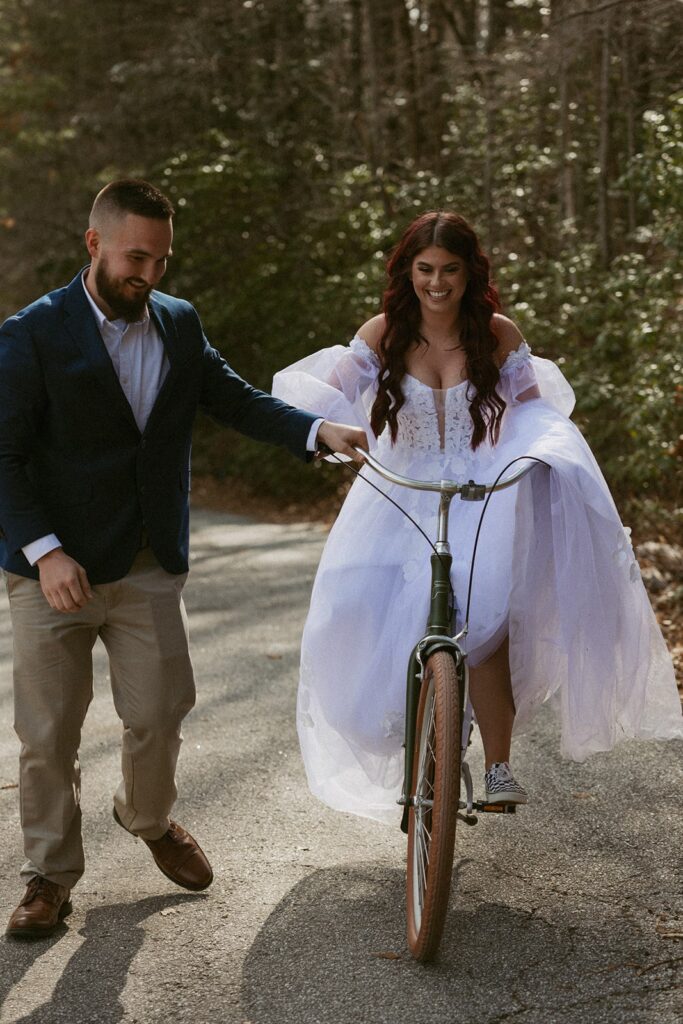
(23, 401)
(233, 402)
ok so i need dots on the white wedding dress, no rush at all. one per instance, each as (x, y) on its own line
(554, 569)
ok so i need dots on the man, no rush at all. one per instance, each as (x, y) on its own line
(99, 385)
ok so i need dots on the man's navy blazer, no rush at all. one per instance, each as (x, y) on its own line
(72, 459)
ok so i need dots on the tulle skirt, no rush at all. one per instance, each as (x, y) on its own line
(554, 571)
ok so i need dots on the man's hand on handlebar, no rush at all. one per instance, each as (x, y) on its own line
(341, 438)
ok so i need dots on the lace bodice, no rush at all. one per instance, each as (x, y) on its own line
(438, 420)
(434, 419)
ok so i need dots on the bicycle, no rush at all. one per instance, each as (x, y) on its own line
(438, 725)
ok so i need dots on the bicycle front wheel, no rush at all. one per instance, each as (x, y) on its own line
(432, 817)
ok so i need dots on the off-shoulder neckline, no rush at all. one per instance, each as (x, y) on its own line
(522, 352)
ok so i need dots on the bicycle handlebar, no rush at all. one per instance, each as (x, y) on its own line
(468, 490)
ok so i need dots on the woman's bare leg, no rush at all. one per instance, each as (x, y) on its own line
(493, 703)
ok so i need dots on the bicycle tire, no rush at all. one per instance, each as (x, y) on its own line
(432, 818)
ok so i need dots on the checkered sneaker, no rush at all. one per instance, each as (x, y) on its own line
(501, 785)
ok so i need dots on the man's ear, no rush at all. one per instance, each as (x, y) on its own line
(92, 242)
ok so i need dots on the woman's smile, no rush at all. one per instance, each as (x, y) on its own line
(439, 278)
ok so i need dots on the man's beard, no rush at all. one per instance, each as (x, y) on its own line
(110, 290)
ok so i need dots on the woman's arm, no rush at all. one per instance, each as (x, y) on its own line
(372, 330)
(336, 383)
(510, 339)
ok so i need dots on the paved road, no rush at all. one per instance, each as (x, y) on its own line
(559, 914)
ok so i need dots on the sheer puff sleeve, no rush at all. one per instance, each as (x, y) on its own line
(337, 383)
(524, 376)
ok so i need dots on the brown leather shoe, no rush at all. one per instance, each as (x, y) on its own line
(179, 856)
(44, 905)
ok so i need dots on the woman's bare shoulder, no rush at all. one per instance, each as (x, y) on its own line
(508, 334)
(372, 330)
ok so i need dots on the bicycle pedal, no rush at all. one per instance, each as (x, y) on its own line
(469, 819)
(497, 808)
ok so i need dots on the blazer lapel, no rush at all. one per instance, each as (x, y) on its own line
(164, 323)
(81, 325)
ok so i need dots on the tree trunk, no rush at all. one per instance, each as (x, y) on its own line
(489, 90)
(630, 114)
(376, 61)
(413, 108)
(562, 41)
(356, 68)
(604, 224)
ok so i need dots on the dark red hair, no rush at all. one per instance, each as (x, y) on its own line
(402, 311)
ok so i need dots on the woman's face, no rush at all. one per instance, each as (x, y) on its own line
(439, 278)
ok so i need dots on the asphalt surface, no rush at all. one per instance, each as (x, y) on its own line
(563, 914)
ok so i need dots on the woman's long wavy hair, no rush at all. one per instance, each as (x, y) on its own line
(402, 311)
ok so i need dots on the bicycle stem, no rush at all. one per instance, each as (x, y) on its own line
(442, 545)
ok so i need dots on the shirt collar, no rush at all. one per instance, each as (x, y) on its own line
(103, 323)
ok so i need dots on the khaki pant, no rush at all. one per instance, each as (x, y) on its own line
(141, 620)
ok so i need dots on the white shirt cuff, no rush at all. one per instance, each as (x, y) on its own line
(37, 548)
(312, 442)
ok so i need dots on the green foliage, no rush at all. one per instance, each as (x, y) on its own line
(284, 278)
(295, 162)
(618, 330)
(271, 260)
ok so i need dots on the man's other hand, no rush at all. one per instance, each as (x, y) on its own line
(341, 438)
(63, 581)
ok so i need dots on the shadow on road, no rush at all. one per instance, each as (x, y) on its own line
(333, 951)
(94, 978)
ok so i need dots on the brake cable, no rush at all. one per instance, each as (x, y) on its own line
(327, 451)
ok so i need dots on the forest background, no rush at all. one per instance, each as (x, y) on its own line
(298, 137)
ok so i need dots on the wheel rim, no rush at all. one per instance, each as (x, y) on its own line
(424, 801)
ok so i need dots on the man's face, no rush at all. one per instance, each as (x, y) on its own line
(129, 258)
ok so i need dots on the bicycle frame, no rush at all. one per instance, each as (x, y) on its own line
(438, 636)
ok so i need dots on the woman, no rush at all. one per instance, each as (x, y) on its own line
(449, 388)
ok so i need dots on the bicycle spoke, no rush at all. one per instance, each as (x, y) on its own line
(423, 879)
(425, 837)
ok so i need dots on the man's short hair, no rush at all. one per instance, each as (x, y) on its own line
(130, 195)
